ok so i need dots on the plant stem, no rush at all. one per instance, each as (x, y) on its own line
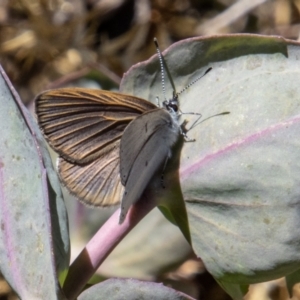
(101, 245)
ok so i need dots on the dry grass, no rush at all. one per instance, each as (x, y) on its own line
(48, 43)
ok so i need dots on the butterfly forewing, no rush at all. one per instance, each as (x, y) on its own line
(79, 123)
(145, 146)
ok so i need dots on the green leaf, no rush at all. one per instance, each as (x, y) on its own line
(291, 280)
(236, 291)
(59, 216)
(115, 289)
(240, 179)
(27, 228)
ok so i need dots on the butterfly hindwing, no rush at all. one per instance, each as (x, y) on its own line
(96, 183)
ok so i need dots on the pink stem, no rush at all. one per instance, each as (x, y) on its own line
(101, 245)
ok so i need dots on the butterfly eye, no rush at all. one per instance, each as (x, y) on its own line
(171, 105)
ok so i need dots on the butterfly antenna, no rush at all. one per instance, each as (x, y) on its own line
(194, 81)
(161, 63)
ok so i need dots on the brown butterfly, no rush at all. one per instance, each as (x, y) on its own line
(110, 144)
(85, 127)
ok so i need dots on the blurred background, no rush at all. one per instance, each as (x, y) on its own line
(91, 43)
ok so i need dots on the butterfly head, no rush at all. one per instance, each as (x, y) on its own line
(172, 105)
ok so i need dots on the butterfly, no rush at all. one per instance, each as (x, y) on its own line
(109, 144)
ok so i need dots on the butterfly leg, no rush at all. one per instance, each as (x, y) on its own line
(158, 103)
(183, 132)
(194, 124)
(185, 122)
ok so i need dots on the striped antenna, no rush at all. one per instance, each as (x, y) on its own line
(163, 67)
(161, 63)
(193, 82)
